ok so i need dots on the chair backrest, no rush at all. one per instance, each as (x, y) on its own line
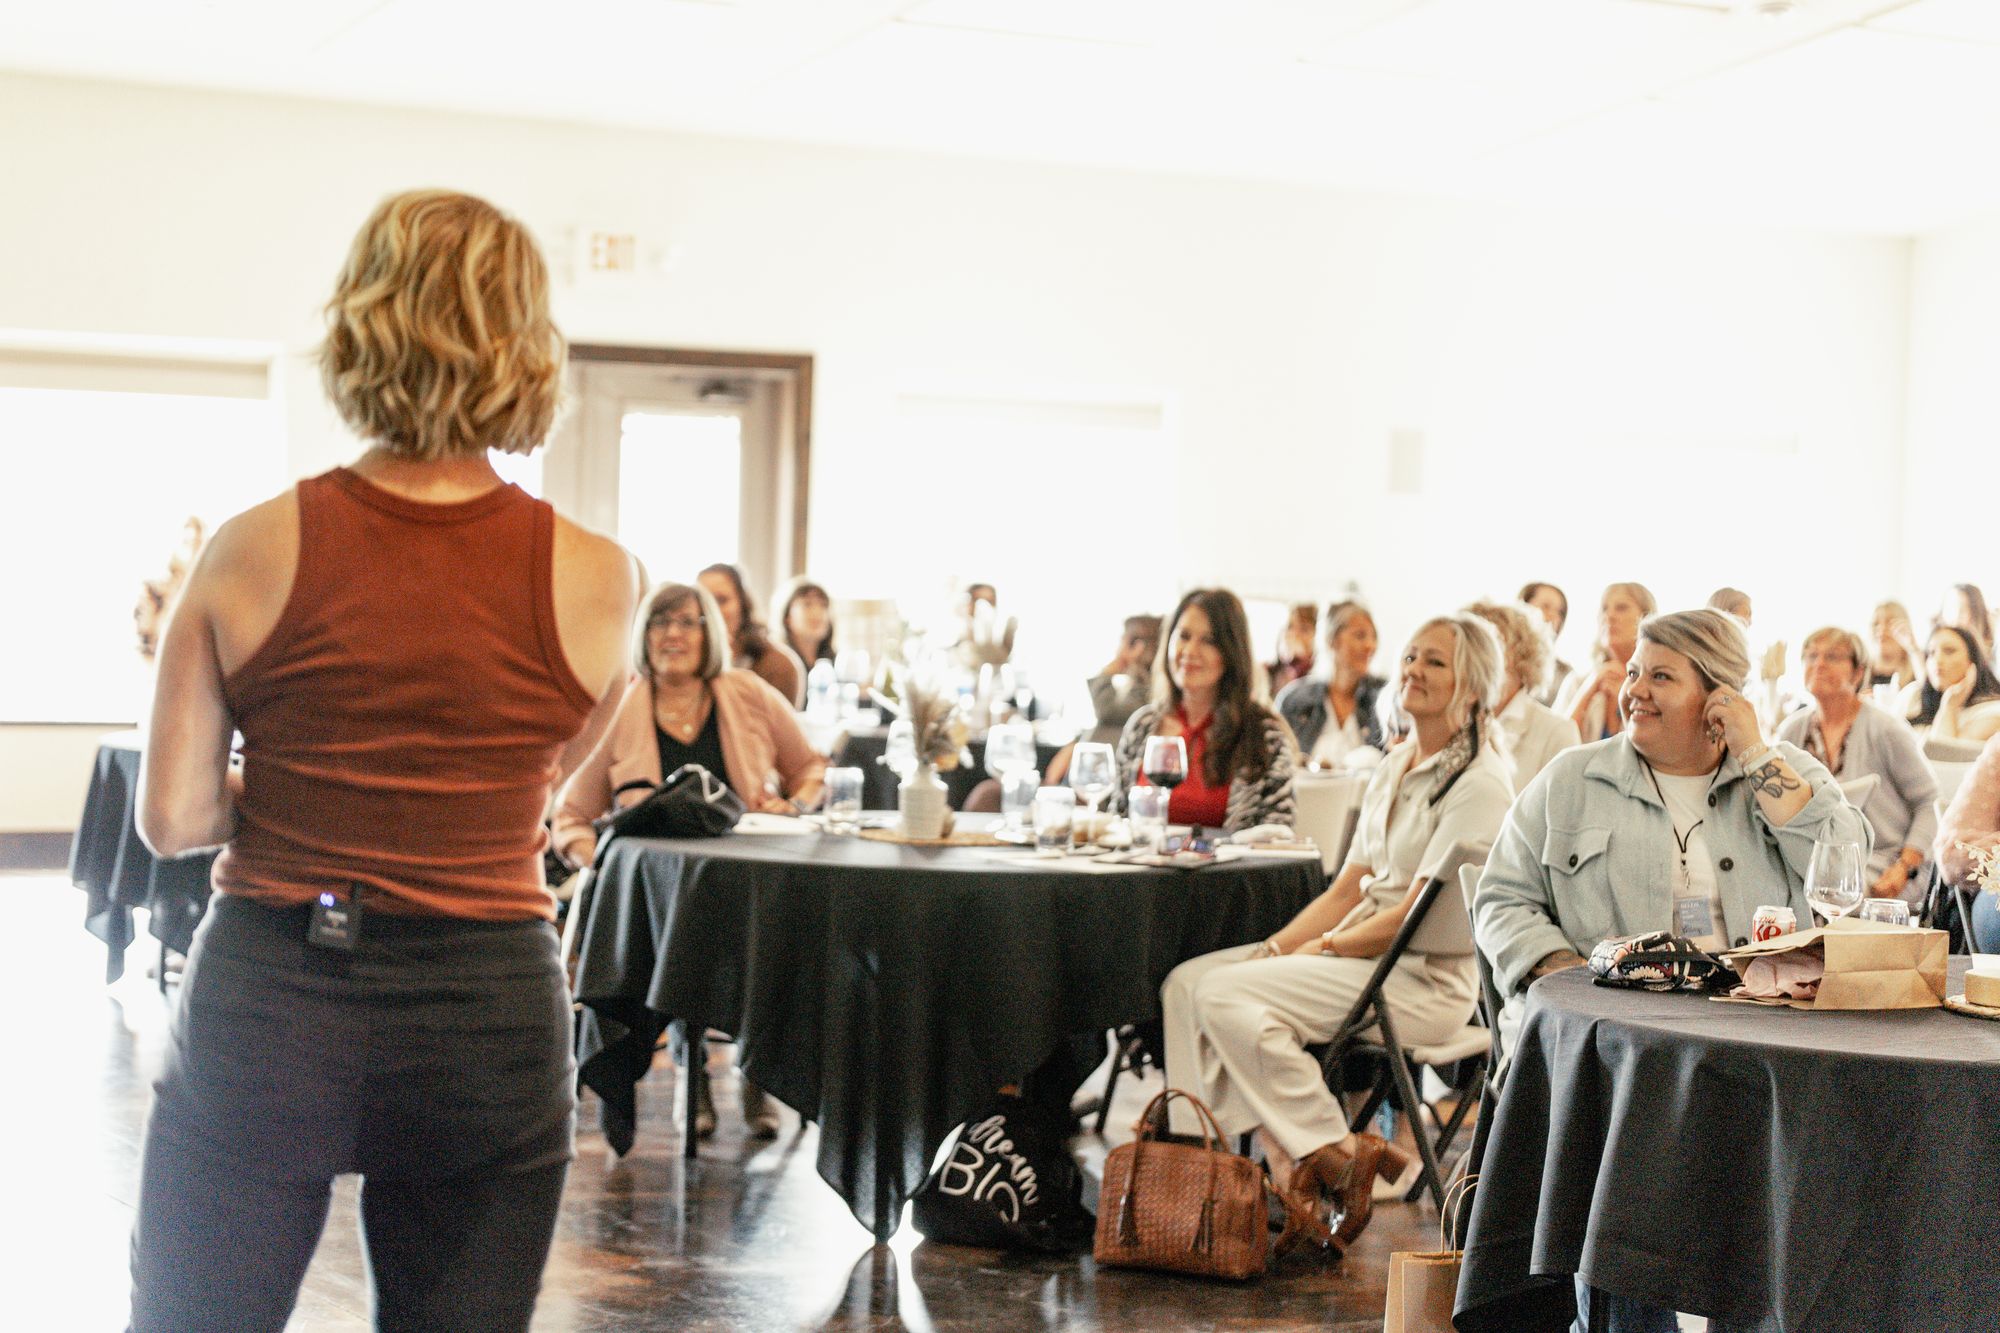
(1447, 928)
(1326, 809)
(1951, 750)
(1950, 776)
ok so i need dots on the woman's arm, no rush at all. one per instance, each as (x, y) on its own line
(1324, 912)
(1974, 816)
(587, 795)
(1513, 915)
(801, 769)
(1271, 797)
(1131, 749)
(186, 789)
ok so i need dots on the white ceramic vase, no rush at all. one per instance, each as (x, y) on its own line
(920, 804)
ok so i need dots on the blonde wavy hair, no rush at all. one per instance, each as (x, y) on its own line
(439, 341)
(1524, 642)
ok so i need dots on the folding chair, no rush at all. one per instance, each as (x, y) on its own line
(1438, 924)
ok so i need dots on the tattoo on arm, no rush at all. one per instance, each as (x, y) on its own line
(1773, 779)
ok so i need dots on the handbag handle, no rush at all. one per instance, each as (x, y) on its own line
(1212, 1137)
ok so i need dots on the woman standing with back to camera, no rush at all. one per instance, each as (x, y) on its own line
(414, 651)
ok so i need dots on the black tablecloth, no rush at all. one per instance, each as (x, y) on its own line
(886, 991)
(864, 750)
(1841, 1170)
(111, 865)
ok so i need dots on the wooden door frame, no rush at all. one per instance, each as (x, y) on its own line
(797, 371)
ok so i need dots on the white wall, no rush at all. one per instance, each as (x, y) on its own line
(1954, 418)
(1287, 331)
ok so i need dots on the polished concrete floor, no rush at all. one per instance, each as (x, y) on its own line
(746, 1237)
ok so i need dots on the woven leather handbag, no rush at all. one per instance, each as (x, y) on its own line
(1182, 1208)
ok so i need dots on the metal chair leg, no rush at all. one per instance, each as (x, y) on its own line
(1120, 1058)
(696, 1073)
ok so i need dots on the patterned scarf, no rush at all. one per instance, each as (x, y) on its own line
(1457, 755)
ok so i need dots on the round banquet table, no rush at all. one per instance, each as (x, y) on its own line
(864, 750)
(887, 991)
(1839, 1170)
(119, 873)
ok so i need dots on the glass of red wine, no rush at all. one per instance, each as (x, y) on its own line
(1165, 763)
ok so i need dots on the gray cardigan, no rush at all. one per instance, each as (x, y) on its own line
(1902, 810)
(1585, 855)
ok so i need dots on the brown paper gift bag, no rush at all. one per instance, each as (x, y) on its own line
(1868, 966)
(1423, 1284)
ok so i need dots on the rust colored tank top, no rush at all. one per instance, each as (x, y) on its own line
(402, 724)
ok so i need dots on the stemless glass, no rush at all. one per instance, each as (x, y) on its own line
(1834, 883)
(1017, 798)
(1148, 809)
(1055, 813)
(843, 800)
(1093, 772)
(1166, 761)
(1889, 911)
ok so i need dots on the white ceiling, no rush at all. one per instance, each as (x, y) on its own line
(1869, 115)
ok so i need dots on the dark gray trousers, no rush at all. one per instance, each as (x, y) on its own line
(434, 1061)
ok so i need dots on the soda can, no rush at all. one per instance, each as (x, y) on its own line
(1771, 922)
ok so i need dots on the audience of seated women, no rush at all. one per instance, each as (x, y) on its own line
(1689, 821)
(750, 645)
(1964, 607)
(1972, 824)
(1958, 697)
(1898, 658)
(1237, 1021)
(1590, 699)
(1530, 733)
(687, 706)
(1873, 754)
(1336, 713)
(1126, 680)
(1240, 754)
(805, 619)
(1552, 605)
(1295, 647)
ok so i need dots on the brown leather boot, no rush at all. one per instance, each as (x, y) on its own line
(1372, 1158)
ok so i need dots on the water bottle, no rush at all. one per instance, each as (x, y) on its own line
(822, 692)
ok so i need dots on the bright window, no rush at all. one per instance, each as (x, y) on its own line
(680, 490)
(98, 484)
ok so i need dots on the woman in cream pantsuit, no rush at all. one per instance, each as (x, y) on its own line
(1238, 1020)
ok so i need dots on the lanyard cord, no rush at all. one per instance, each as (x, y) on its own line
(1680, 840)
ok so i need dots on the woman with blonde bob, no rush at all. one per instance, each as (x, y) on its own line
(1238, 1020)
(1531, 733)
(1688, 820)
(412, 650)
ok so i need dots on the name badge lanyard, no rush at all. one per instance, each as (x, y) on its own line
(1684, 897)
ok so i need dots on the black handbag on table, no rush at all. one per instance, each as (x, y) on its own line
(691, 803)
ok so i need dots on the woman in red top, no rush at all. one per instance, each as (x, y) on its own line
(1205, 689)
(414, 652)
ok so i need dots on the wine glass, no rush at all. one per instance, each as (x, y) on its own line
(1093, 774)
(1166, 762)
(1834, 884)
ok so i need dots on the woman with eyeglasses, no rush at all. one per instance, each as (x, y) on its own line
(1872, 753)
(685, 706)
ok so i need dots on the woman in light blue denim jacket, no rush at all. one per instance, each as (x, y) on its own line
(1688, 820)
(1591, 850)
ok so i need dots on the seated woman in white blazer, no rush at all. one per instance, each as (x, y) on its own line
(1238, 1020)
(1531, 732)
(684, 707)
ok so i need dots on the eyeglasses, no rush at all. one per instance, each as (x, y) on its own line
(686, 624)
